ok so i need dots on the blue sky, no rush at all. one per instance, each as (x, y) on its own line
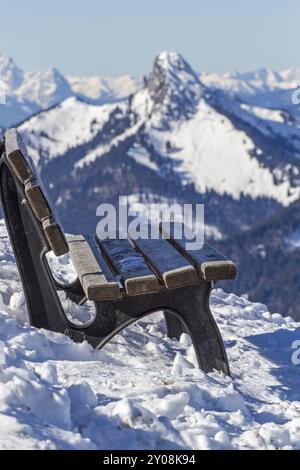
(113, 37)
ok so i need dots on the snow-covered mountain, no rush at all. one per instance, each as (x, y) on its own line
(104, 89)
(44, 88)
(250, 83)
(263, 87)
(143, 390)
(10, 73)
(182, 130)
(30, 92)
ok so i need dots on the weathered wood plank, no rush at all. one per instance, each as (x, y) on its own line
(38, 200)
(209, 262)
(97, 281)
(171, 268)
(17, 156)
(130, 265)
(219, 270)
(55, 236)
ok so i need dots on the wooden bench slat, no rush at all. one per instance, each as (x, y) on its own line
(55, 236)
(96, 279)
(130, 265)
(209, 262)
(172, 269)
(37, 199)
(17, 156)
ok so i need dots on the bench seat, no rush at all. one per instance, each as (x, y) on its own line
(210, 264)
(97, 281)
(136, 276)
(142, 266)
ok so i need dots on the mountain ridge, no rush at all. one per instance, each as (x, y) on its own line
(24, 86)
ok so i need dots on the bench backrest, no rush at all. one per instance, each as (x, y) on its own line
(25, 171)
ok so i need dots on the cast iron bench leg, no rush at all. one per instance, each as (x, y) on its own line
(175, 327)
(188, 306)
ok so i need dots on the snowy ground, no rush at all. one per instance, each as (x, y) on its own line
(143, 391)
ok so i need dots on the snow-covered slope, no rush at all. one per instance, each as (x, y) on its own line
(211, 153)
(143, 391)
(69, 124)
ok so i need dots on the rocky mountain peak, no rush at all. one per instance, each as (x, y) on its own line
(174, 88)
(45, 88)
(10, 73)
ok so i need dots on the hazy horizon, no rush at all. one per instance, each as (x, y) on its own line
(53, 66)
(121, 38)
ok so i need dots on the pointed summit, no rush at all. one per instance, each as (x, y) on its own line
(10, 73)
(174, 88)
(45, 88)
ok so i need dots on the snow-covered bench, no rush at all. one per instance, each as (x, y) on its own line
(124, 279)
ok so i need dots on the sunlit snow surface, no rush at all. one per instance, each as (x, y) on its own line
(142, 391)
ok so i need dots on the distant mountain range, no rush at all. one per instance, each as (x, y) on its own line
(229, 141)
(30, 92)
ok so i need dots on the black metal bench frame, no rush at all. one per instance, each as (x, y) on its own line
(186, 308)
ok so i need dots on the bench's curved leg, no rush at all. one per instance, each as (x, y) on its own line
(175, 327)
(189, 306)
(206, 338)
(195, 317)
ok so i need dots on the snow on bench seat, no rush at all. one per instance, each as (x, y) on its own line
(130, 265)
(172, 269)
(209, 262)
